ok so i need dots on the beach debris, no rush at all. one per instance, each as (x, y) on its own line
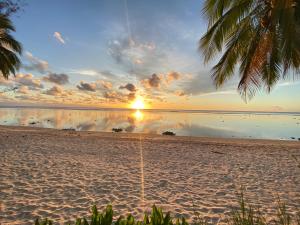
(163, 183)
(69, 129)
(117, 130)
(216, 152)
(33, 123)
(170, 133)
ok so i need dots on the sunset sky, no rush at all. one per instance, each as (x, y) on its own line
(107, 53)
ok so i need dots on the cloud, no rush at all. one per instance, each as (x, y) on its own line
(108, 75)
(29, 81)
(59, 37)
(5, 82)
(227, 92)
(21, 83)
(114, 96)
(180, 93)
(105, 74)
(55, 91)
(60, 79)
(198, 83)
(136, 57)
(138, 61)
(126, 49)
(87, 86)
(153, 82)
(165, 80)
(288, 83)
(105, 84)
(129, 87)
(86, 72)
(117, 49)
(201, 84)
(23, 89)
(36, 64)
(131, 96)
(172, 76)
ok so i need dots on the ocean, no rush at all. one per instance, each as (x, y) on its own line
(225, 124)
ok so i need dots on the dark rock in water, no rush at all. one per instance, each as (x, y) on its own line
(32, 123)
(117, 130)
(69, 129)
(170, 133)
(293, 138)
(216, 152)
(298, 139)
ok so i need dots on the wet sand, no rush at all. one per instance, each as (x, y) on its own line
(61, 174)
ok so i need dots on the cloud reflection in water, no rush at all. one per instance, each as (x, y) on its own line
(155, 122)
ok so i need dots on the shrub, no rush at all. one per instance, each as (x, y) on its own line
(244, 214)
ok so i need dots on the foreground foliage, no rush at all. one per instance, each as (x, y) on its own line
(245, 214)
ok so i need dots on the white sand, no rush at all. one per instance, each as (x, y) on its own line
(60, 174)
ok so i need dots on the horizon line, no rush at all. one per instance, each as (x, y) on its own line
(131, 109)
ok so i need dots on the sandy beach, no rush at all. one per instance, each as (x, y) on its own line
(61, 174)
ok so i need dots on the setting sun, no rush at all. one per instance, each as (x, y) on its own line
(138, 104)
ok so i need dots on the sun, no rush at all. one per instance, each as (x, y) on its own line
(138, 103)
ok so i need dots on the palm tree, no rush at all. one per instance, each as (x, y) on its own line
(261, 36)
(9, 48)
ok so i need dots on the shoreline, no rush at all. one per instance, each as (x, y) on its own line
(128, 135)
(60, 174)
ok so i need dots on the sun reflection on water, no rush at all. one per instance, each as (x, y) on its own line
(239, 125)
(138, 115)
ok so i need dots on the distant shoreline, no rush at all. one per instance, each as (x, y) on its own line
(150, 110)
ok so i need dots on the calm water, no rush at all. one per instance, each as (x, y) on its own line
(193, 123)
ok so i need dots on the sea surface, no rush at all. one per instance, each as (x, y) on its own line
(261, 125)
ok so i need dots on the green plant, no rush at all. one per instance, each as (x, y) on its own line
(43, 222)
(104, 218)
(298, 218)
(245, 214)
(157, 217)
(283, 217)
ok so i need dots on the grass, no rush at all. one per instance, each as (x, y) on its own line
(157, 217)
(244, 214)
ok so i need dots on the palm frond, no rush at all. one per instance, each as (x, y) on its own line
(9, 48)
(262, 36)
